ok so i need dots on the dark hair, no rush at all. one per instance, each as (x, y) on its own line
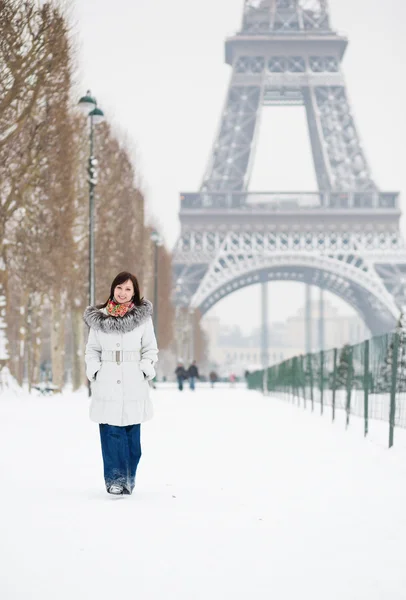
(122, 278)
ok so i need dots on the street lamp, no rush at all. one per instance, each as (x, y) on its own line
(88, 105)
(157, 241)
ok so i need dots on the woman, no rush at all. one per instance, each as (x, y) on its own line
(120, 355)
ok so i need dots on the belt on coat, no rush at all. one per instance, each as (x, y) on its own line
(120, 356)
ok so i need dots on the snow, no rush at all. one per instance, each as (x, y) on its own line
(238, 497)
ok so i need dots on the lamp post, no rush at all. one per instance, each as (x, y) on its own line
(157, 240)
(89, 107)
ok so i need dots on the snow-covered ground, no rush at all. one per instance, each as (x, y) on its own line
(238, 497)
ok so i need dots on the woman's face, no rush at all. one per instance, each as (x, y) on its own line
(124, 292)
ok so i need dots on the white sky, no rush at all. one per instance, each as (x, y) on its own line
(158, 71)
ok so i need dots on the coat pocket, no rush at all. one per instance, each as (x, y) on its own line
(140, 372)
(97, 374)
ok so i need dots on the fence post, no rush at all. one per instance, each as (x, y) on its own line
(310, 367)
(265, 382)
(349, 385)
(321, 381)
(294, 382)
(303, 379)
(292, 379)
(290, 374)
(393, 388)
(297, 380)
(366, 386)
(334, 383)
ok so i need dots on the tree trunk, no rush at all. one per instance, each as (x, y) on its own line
(78, 349)
(29, 342)
(33, 346)
(22, 337)
(58, 317)
(4, 355)
(36, 345)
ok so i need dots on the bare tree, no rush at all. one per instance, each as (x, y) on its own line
(44, 197)
(36, 143)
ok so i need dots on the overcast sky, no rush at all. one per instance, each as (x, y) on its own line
(157, 68)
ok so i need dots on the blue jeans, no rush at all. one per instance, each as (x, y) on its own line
(121, 450)
(180, 383)
(192, 382)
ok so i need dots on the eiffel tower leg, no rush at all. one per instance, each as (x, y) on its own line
(308, 319)
(322, 169)
(229, 165)
(192, 335)
(321, 320)
(264, 325)
(339, 159)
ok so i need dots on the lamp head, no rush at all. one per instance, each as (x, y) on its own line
(87, 103)
(156, 238)
(97, 115)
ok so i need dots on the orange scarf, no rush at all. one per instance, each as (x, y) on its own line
(118, 310)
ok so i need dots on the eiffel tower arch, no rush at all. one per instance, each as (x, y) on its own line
(344, 237)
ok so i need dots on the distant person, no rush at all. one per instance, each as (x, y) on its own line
(213, 378)
(193, 374)
(246, 377)
(232, 379)
(181, 375)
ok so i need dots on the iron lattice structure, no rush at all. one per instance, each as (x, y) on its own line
(345, 238)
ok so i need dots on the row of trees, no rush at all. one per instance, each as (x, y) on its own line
(44, 203)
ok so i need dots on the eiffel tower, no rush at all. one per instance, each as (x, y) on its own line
(345, 236)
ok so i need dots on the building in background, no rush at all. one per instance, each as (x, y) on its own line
(231, 351)
(338, 329)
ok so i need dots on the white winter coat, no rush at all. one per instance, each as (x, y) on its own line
(120, 357)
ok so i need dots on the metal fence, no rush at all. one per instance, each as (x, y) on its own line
(367, 380)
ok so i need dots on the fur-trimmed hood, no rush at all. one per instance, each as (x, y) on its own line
(97, 319)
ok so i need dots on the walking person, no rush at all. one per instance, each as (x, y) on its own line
(120, 356)
(193, 374)
(213, 378)
(181, 375)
